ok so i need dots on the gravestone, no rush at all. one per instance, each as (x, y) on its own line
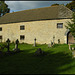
(73, 54)
(58, 41)
(73, 48)
(69, 47)
(39, 52)
(16, 45)
(8, 45)
(53, 40)
(51, 43)
(34, 42)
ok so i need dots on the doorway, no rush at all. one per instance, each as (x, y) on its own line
(70, 38)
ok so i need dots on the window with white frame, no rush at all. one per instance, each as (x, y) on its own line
(59, 25)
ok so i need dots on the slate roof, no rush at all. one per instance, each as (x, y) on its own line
(46, 13)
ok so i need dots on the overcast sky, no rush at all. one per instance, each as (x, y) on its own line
(25, 5)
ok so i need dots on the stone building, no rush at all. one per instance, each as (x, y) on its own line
(44, 24)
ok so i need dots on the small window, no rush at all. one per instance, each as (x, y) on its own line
(0, 37)
(0, 28)
(59, 25)
(22, 37)
(22, 27)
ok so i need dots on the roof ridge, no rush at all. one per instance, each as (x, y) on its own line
(31, 9)
(51, 12)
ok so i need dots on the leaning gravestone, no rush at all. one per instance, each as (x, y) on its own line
(16, 46)
(39, 52)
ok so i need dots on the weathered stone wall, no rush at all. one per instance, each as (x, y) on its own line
(43, 31)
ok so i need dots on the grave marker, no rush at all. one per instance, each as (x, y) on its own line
(69, 46)
(53, 39)
(51, 43)
(8, 44)
(16, 45)
(34, 42)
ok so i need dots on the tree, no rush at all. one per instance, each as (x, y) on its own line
(71, 5)
(71, 25)
(3, 8)
(54, 4)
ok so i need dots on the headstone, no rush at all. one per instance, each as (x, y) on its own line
(73, 54)
(72, 48)
(51, 43)
(53, 40)
(69, 47)
(58, 41)
(39, 52)
(8, 44)
(16, 45)
(34, 42)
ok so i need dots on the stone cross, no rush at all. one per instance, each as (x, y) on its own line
(8, 41)
(34, 42)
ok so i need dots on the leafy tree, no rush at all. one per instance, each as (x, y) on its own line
(71, 25)
(54, 4)
(3, 8)
(71, 5)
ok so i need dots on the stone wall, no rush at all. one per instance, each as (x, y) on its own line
(43, 31)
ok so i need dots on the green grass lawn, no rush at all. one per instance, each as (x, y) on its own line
(57, 61)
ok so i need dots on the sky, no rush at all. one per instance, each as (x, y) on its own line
(25, 5)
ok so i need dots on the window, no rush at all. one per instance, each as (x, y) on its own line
(22, 27)
(0, 28)
(59, 25)
(0, 37)
(22, 37)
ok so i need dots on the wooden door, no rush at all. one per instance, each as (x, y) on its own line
(70, 38)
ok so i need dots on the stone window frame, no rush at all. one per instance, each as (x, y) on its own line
(0, 28)
(22, 37)
(59, 25)
(22, 27)
(0, 38)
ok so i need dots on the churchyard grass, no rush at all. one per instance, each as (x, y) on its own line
(73, 45)
(58, 60)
